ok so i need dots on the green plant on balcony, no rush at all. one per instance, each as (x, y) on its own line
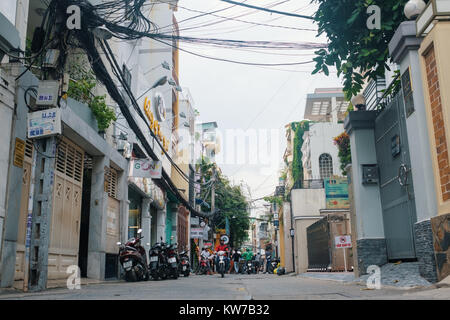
(81, 84)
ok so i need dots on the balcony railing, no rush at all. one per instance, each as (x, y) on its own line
(309, 184)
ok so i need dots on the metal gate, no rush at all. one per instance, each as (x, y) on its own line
(396, 185)
(318, 235)
(65, 224)
(21, 237)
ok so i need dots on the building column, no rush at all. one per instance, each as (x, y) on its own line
(124, 204)
(161, 225)
(146, 222)
(97, 220)
(371, 242)
(404, 48)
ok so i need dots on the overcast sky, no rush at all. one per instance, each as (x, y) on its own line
(250, 97)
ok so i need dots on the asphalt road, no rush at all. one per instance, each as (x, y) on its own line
(232, 287)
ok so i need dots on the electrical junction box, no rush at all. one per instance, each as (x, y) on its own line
(45, 123)
(370, 174)
(48, 93)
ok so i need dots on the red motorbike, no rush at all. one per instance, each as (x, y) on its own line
(133, 259)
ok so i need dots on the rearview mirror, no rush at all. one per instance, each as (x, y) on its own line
(139, 231)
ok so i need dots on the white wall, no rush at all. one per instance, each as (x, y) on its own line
(321, 141)
(8, 9)
(307, 202)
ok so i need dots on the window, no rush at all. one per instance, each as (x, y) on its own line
(325, 166)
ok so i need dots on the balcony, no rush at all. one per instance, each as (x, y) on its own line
(309, 184)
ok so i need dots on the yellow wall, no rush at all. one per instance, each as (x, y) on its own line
(438, 39)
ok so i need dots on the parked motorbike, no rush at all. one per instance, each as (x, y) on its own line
(172, 261)
(272, 263)
(157, 261)
(133, 259)
(184, 265)
(242, 267)
(222, 262)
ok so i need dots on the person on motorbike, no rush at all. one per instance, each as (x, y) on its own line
(206, 255)
(223, 247)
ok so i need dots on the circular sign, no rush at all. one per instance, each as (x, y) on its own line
(225, 239)
(160, 107)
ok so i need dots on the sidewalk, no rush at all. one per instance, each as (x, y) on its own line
(399, 276)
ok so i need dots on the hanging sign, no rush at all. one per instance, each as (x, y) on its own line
(146, 168)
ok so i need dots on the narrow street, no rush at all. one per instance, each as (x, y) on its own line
(232, 287)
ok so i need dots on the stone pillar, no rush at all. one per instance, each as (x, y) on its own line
(146, 222)
(124, 204)
(97, 220)
(435, 67)
(161, 225)
(404, 48)
(371, 242)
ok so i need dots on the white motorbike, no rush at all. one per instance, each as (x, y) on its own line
(222, 262)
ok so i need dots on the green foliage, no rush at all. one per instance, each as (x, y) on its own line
(277, 200)
(297, 165)
(230, 201)
(81, 88)
(357, 52)
(343, 143)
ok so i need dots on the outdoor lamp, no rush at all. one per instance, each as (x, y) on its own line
(102, 33)
(359, 102)
(413, 8)
(160, 82)
(182, 115)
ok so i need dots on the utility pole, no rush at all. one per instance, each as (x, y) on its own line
(213, 200)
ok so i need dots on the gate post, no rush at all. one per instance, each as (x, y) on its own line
(371, 242)
(404, 48)
(97, 220)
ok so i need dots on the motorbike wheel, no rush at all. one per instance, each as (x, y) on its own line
(186, 274)
(222, 271)
(130, 276)
(175, 275)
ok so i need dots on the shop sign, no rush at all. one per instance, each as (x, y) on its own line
(336, 193)
(146, 168)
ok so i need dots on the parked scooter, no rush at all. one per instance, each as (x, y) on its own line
(157, 261)
(272, 264)
(184, 265)
(172, 261)
(133, 259)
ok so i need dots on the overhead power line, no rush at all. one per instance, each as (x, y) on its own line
(269, 10)
(234, 61)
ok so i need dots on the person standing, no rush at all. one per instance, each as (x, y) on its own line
(236, 257)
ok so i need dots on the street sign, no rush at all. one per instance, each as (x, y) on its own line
(225, 239)
(44, 123)
(343, 241)
(196, 233)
